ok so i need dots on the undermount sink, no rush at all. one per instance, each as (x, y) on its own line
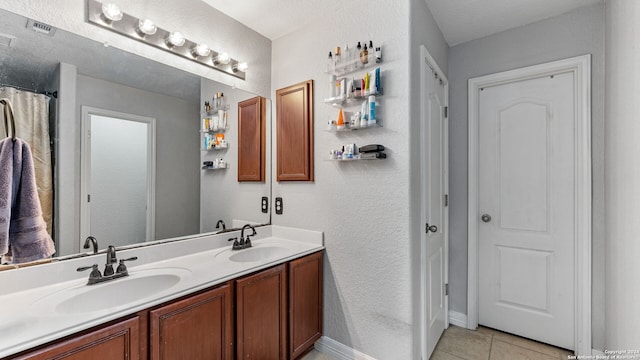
(257, 253)
(119, 292)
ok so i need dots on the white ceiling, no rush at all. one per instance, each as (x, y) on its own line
(459, 20)
(275, 18)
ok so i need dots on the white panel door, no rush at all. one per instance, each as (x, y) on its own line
(433, 176)
(526, 203)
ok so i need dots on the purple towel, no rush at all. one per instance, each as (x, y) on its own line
(21, 223)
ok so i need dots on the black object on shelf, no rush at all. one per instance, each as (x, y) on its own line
(373, 155)
(371, 148)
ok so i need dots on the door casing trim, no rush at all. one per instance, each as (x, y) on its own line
(580, 66)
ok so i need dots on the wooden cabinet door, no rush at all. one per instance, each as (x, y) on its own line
(294, 132)
(251, 139)
(261, 317)
(305, 303)
(114, 342)
(198, 327)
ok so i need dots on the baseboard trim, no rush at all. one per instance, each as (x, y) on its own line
(338, 350)
(457, 319)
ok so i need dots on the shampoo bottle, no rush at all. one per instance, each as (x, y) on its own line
(372, 110)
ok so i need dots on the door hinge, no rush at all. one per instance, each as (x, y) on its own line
(446, 200)
(88, 197)
(446, 111)
(446, 289)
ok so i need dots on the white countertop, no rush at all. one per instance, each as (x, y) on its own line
(29, 295)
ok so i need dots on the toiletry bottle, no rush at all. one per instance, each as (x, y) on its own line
(378, 54)
(346, 56)
(338, 90)
(364, 56)
(330, 63)
(356, 54)
(371, 48)
(337, 57)
(221, 120)
(372, 110)
(340, 122)
(367, 80)
(221, 98)
(363, 115)
(332, 86)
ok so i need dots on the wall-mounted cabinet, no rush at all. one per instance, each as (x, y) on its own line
(294, 132)
(251, 139)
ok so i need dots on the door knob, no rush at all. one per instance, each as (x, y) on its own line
(486, 218)
(431, 228)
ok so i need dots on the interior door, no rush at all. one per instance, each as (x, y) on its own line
(117, 178)
(433, 175)
(526, 196)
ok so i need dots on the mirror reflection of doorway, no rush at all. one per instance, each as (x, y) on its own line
(118, 177)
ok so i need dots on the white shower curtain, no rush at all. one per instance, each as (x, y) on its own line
(31, 112)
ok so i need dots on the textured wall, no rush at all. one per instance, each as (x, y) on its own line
(576, 33)
(622, 175)
(195, 19)
(362, 207)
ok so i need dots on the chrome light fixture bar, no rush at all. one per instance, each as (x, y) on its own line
(109, 16)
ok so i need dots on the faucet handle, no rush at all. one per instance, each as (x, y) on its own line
(122, 267)
(236, 245)
(95, 273)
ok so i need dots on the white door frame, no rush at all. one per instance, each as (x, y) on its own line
(427, 61)
(581, 68)
(85, 172)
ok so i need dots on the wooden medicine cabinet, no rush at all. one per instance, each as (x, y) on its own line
(294, 132)
(251, 139)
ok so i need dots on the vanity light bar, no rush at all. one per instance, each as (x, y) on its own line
(130, 26)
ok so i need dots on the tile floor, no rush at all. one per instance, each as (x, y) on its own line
(484, 344)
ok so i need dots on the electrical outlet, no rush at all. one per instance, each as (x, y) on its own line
(279, 206)
(265, 204)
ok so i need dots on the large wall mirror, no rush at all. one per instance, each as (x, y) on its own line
(128, 141)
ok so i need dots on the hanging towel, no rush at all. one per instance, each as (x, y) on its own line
(21, 223)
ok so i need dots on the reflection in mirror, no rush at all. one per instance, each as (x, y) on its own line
(93, 160)
(118, 177)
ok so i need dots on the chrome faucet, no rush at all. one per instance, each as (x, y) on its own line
(95, 277)
(91, 240)
(244, 242)
(111, 259)
(220, 222)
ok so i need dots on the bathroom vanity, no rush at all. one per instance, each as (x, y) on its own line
(263, 302)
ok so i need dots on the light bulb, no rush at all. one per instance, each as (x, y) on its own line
(111, 12)
(175, 38)
(243, 66)
(146, 27)
(223, 58)
(201, 50)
